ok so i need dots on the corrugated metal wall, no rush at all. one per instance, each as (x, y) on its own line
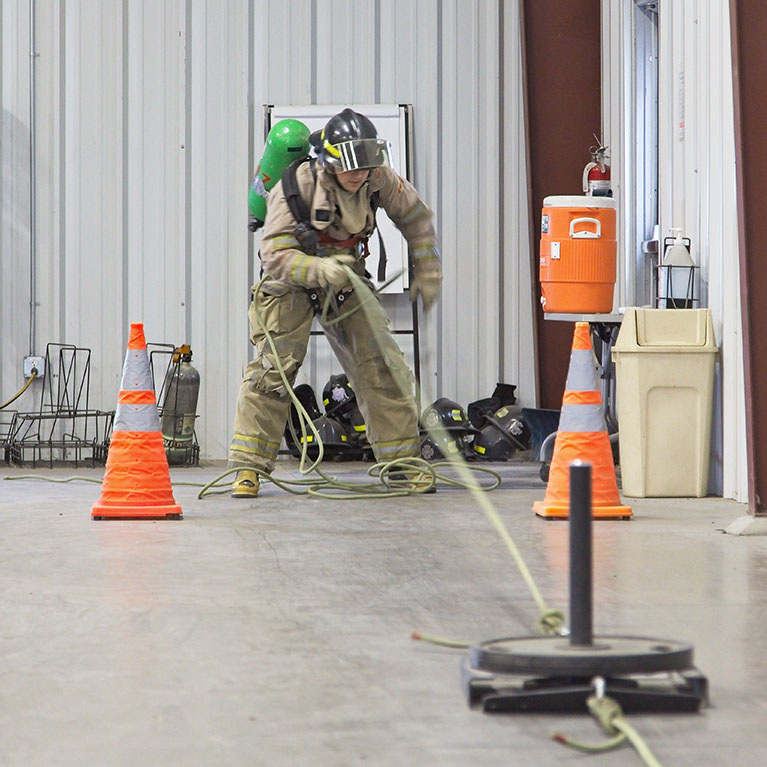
(148, 130)
(696, 180)
(697, 193)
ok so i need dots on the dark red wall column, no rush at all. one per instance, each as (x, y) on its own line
(748, 22)
(563, 76)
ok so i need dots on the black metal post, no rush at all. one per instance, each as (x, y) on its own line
(580, 554)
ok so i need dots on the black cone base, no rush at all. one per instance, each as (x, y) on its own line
(549, 674)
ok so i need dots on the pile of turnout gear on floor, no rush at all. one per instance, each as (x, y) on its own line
(490, 429)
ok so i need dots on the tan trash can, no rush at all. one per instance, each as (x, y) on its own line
(664, 367)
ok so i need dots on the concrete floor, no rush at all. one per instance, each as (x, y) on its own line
(277, 631)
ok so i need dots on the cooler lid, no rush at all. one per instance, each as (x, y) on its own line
(578, 201)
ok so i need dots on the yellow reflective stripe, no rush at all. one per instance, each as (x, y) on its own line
(419, 210)
(285, 242)
(397, 442)
(256, 440)
(403, 448)
(268, 454)
(360, 428)
(424, 252)
(299, 272)
(244, 444)
(330, 149)
(480, 449)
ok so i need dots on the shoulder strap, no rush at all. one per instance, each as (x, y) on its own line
(296, 202)
(375, 203)
(306, 234)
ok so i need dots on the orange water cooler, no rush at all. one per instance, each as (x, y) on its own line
(578, 254)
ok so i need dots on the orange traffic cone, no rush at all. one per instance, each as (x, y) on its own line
(582, 434)
(136, 482)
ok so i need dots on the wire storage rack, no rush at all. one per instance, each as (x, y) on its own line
(65, 429)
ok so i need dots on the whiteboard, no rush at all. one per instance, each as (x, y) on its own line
(392, 124)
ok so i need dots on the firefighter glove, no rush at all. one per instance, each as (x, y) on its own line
(331, 271)
(426, 284)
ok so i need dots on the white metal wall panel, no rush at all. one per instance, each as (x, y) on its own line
(153, 170)
(218, 209)
(619, 134)
(148, 131)
(517, 299)
(14, 187)
(91, 162)
(696, 181)
(408, 74)
(697, 193)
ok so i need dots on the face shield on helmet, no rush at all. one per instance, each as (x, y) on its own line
(358, 154)
(349, 141)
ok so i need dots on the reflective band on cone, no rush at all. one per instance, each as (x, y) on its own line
(582, 434)
(136, 481)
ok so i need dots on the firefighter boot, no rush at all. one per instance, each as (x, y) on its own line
(246, 484)
(417, 481)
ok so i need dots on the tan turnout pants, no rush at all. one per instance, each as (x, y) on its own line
(369, 355)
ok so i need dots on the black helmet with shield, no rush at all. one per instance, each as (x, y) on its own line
(349, 141)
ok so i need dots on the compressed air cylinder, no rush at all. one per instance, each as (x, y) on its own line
(179, 406)
(288, 140)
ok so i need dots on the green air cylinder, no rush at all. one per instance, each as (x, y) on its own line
(287, 141)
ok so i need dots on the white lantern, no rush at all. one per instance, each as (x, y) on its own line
(677, 274)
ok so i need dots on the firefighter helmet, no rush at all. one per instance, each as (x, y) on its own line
(338, 396)
(492, 445)
(350, 141)
(305, 395)
(510, 423)
(447, 414)
(504, 434)
(334, 437)
(450, 446)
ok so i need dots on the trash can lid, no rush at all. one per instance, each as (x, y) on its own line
(578, 201)
(666, 330)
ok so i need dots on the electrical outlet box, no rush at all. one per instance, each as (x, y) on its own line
(34, 363)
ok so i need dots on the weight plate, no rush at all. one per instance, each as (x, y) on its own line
(552, 656)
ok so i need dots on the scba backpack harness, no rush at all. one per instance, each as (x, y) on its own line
(311, 240)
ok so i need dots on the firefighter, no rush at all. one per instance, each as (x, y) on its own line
(304, 262)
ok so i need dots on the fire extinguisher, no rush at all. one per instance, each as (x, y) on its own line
(596, 174)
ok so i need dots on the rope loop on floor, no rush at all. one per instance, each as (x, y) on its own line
(609, 715)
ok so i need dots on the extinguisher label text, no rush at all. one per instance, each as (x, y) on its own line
(544, 224)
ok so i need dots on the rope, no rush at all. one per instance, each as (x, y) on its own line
(387, 485)
(551, 621)
(21, 391)
(454, 643)
(55, 479)
(608, 713)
